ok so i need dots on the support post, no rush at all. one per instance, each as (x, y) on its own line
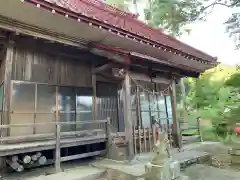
(7, 86)
(94, 100)
(109, 137)
(8, 65)
(183, 91)
(58, 149)
(199, 129)
(138, 108)
(58, 138)
(127, 115)
(177, 137)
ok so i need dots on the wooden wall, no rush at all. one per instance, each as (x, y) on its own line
(36, 66)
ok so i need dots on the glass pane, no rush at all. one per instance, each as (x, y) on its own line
(46, 98)
(23, 97)
(169, 107)
(153, 103)
(161, 104)
(144, 103)
(84, 107)
(67, 100)
(145, 119)
(133, 97)
(1, 97)
(21, 119)
(67, 117)
(45, 128)
(134, 118)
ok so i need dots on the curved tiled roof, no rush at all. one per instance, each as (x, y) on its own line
(126, 24)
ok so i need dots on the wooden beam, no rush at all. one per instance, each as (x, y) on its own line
(7, 83)
(94, 100)
(144, 77)
(8, 61)
(26, 29)
(127, 115)
(177, 137)
(102, 68)
(183, 91)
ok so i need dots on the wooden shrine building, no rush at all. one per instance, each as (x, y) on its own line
(81, 62)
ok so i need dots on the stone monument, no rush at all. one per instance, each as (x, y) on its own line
(162, 166)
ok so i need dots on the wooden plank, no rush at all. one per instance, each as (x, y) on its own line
(94, 99)
(7, 85)
(10, 149)
(144, 139)
(58, 149)
(139, 139)
(79, 156)
(102, 68)
(154, 134)
(135, 140)
(127, 115)
(177, 137)
(64, 123)
(149, 139)
(138, 108)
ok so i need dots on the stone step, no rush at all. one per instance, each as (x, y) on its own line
(191, 139)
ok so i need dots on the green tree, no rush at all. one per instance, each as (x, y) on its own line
(173, 15)
(211, 99)
(120, 4)
(233, 82)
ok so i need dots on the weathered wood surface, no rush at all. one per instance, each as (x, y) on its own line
(9, 149)
(54, 69)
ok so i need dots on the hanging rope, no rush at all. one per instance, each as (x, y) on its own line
(163, 92)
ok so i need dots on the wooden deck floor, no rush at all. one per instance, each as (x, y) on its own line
(17, 148)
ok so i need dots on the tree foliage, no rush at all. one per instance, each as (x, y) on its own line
(215, 96)
(120, 4)
(173, 15)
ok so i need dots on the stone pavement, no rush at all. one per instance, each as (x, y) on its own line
(137, 166)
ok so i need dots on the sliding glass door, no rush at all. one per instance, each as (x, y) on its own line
(41, 103)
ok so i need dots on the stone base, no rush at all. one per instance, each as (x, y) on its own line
(118, 153)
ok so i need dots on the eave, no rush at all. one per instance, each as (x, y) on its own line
(82, 30)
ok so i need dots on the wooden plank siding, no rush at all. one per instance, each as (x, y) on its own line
(36, 66)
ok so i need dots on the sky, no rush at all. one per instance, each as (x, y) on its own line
(211, 37)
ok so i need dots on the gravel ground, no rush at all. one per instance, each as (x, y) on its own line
(204, 172)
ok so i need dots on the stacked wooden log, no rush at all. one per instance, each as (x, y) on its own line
(20, 162)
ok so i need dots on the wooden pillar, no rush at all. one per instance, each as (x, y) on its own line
(176, 133)
(183, 91)
(7, 85)
(8, 61)
(58, 148)
(127, 116)
(94, 100)
(138, 108)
